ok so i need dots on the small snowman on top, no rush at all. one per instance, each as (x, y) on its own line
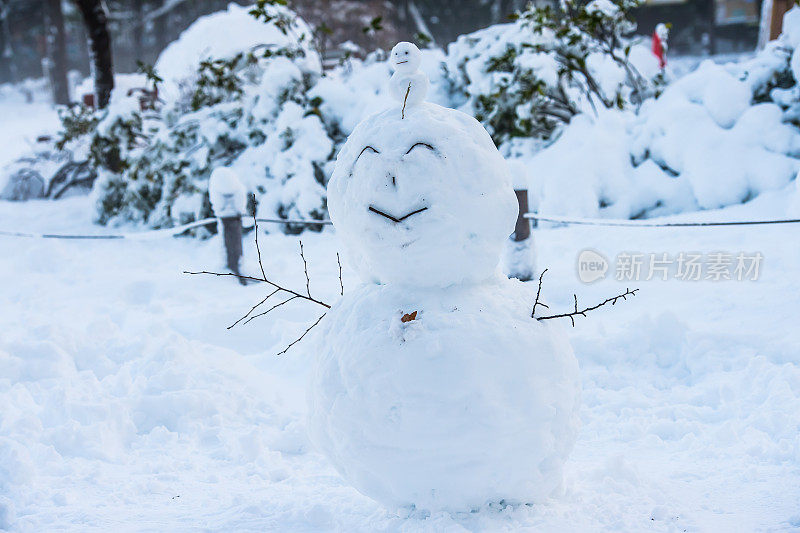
(408, 84)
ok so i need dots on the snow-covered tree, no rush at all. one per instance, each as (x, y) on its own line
(526, 79)
(96, 21)
(248, 108)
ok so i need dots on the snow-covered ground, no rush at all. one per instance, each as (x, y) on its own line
(22, 122)
(127, 405)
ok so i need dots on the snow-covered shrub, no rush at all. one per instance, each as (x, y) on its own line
(718, 136)
(250, 110)
(77, 120)
(57, 164)
(525, 80)
(772, 74)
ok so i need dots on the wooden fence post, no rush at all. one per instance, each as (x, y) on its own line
(518, 258)
(771, 24)
(523, 228)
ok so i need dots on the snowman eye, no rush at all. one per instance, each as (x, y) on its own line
(367, 147)
(424, 145)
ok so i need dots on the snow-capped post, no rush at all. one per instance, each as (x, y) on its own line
(229, 201)
(518, 258)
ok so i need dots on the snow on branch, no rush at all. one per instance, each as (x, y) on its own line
(576, 312)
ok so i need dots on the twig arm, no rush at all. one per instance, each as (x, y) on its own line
(341, 283)
(582, 312)
(270, 295)
(301, 336)
(405, 100)
(303, 296)
(305, 269)
(538, 292)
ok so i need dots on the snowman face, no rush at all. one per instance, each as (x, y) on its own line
(424, 200)
(406, 58)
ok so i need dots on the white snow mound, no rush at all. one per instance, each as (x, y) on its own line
(472, 402)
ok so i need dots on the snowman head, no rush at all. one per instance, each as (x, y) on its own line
(405, 58)
(424, 201)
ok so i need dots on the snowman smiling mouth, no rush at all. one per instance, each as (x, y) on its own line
(394, 219)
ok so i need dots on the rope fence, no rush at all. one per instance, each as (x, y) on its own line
(645, 224)
(173, 232)
(159, 233)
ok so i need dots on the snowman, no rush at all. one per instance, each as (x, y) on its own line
(433, 388)
(407, 84)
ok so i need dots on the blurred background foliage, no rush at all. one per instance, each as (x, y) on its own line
(141, 29)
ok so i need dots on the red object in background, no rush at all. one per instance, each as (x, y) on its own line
(88, 100)
(658, 50)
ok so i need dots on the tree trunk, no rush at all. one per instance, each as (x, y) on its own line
(138, 30)
(94, 17)
(57, 50)
(7, 65)
(160, 29)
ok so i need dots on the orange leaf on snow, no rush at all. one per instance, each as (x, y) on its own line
(408, 317)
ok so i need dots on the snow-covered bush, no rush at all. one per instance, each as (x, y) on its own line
(525, 80)
(249, 108)
(772, 74)
(718, 136)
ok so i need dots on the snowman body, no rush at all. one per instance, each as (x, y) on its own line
(408, 84)
(433, 386)
(410, 88)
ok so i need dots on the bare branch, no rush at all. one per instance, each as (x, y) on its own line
(582, 312)
(255, 307)
(251, 278)
(301, 336)
(239, 276)
(341, 283)
(293, 295)
(305, 269)
(538, 292)
(271, 308)
(258, 250)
